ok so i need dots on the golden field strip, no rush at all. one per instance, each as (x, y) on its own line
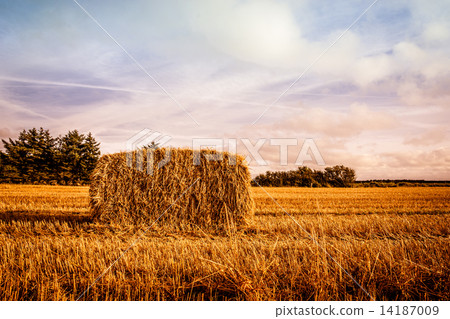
(394, 241)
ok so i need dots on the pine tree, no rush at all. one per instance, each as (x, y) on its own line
(31, 158)
(70, 156)
(2, 166)
(37, 157)
(79, 155)
(90, 156)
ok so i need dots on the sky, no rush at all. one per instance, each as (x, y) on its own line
(367, 81)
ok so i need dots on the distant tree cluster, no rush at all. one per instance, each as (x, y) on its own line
(37, 157)
(402, 183)
(336, 176)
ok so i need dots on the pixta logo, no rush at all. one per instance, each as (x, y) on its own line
(151, 140)
(308, 152)
(148, 140)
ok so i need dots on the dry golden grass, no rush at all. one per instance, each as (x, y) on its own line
(395, 242)
(44, 199)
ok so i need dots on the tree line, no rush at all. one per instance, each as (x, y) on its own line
(37, 157)
(336, 176)
(402, 183)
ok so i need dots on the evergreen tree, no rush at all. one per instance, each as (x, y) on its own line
(31, 158)
(79, 155)
(2, 166)
(70, 159)
(90, 156)
(37, 157)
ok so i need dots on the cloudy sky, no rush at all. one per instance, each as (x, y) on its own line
(368, 82)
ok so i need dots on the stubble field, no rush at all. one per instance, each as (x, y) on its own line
(303, 244)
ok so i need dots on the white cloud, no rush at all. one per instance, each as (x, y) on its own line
(263, 32)
(357, 119)
(436, 33)
(373, 68)
(429, 137)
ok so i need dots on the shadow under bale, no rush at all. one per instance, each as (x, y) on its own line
(205, 189)
(45, 216)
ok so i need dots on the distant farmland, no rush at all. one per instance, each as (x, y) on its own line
(394, 241)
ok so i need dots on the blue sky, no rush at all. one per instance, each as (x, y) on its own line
(377, 100)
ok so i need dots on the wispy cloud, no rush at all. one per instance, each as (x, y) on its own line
(377, 98)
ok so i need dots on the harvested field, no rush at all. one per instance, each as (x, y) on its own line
(395, 242)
